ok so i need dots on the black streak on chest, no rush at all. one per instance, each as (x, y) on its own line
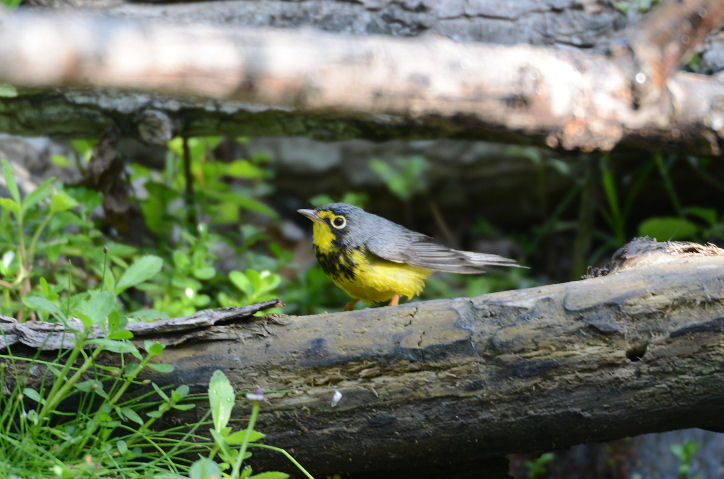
(336, 263)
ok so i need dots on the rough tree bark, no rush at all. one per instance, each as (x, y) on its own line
(375, 87)
(429, 383)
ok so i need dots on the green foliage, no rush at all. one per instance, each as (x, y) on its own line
(223, 194)
(693, 223)
(350, 197)
(109, 432)
(36, 240)
(685, 454)
(221, 400)
(8, 91)
(405, 177)
(255, 285)
(10, 3)
(539, 466)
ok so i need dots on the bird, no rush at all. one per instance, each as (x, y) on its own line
(376, 260)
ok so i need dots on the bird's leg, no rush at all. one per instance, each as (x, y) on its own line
(395, 300)
(350, 305)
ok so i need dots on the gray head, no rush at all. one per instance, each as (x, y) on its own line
(350, 225)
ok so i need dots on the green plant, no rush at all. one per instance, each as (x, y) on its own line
(195, 282)
(404, 177)
(538, 467)
(104, 433)
(685, 454)
(221, 400)
(40, 230)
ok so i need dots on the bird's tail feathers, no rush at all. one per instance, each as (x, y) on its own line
(485, 259)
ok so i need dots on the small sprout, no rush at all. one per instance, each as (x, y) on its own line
(257, 395)
(336, 397)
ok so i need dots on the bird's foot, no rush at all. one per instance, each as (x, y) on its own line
(395, 300)
(350, 305)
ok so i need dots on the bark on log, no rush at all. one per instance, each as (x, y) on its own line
(441, 384)
(370, 87)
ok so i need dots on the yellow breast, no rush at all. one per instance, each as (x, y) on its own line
(375, 279)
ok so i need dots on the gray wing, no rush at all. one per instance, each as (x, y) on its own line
(421, 250)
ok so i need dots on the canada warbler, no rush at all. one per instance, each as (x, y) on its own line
(374, 259)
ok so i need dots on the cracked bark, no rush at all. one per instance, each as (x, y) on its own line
(633, 352)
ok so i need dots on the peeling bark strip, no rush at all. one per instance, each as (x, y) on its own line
(561, 98)
(434, 383)
(53, 336)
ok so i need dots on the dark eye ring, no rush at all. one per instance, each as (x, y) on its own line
(339, 222)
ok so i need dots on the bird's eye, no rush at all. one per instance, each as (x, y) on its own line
(339, 222)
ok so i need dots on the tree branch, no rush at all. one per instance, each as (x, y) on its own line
(382, 87)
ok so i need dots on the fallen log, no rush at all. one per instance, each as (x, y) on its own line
(336, 87)
(448, 384)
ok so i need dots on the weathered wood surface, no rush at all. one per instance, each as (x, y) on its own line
(444, 383)
(330, 86)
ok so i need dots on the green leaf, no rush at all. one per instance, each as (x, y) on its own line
(204, 273)
(7, 90)
(92, 385)
(100, 305)
(183, 407)
(269, 280)
(240, 280)
(153, 348)
(121, 334)
(10, 205)
(122, 446)
(668, 228)
(243, 169)
(221, 399)
(160, 392)
(181, 260)
(707, 214)
(117, 346)
(62, 202)
(161, 368)
(36, 303)
(141, 270)
(132, 415)
(256, 206)
(181, 392)
(60, 160)
(255, 279)
(270, 475)
(34, 395)
(204, 468)
(36, 196)
(238, 437)
(10, 180)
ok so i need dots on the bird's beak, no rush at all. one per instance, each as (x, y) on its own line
(311, 214)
